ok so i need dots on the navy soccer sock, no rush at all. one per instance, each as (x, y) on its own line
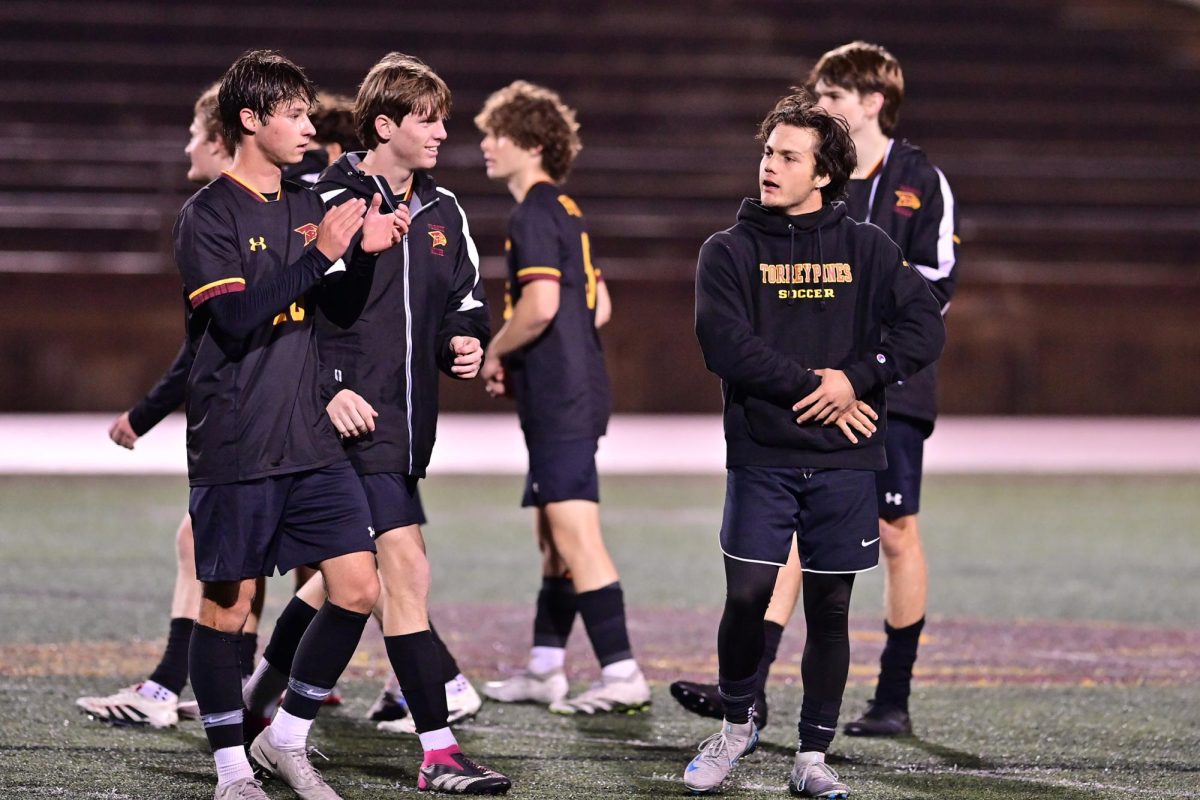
(557, 604)
(603, 612)
(450, 668)
(172, 671)
(417, 666)
(896, 665)
(322, 655)
(247, 650)
(297, 615)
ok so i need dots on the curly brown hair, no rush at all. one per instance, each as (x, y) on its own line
(864, 68)
(534, 116)
(333, 119)
(397, 86)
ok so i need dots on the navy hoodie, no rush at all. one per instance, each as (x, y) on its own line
(778, 296)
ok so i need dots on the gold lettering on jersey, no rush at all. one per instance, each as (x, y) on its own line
(588, 270)
(805, 273)
(805, 294)
(295, 313)
(258, 243)
(569, 204)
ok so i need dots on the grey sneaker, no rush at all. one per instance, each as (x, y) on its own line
(529, 687)
(292, 767)
(245, 789)
(718, 754)
(812, 777)
(610, 695)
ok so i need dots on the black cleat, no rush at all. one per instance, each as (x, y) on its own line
(705, 699)
(880, 720)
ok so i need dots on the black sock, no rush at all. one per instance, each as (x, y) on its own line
(322, 655)
(417, 666)
(556, 607)
(247, 650)
(450, 668)
(738, 697)
(289, 630)
(896, 665)
(172, 671)
(217, 683)
(772, 633)
(603, 612)
(826, 661)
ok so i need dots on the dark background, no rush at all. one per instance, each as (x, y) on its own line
(1068, 130)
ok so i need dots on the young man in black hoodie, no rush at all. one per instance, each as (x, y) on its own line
(791, 305)
(895, 187)
(385, 333)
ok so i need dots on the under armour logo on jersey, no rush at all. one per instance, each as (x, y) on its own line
(893, 498)
(258, 243)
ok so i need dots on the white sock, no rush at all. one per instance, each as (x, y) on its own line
(232, 765)
(289, 732)
(437, 740)
(620, 670)
(156, 691)
(263, 688)
(457, 685)
(546, 659)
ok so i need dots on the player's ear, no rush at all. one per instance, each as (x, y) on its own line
(822, 181)
(384, 127)
(250, 120)
(872, 103)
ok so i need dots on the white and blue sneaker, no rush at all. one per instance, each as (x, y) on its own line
(718, 755)
(812, 777)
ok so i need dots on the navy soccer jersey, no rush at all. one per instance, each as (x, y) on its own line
(559, 381)
(254, 407)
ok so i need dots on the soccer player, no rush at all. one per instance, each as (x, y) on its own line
(791, 307)
(385, 334)
(895, 187)
(548, 357)
(271, 487)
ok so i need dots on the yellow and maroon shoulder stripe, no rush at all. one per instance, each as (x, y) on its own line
(210, 290)
(241, 184)
(528, 274)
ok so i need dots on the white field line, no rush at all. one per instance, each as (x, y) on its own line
(62, 444)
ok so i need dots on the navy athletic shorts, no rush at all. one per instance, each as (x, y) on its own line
(561, 471)
(899, 486)
(831, 512)
(247, 529)
(394, 500)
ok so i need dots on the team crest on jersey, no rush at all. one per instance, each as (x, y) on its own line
(908, 200)
(309, 231)
(438, 234)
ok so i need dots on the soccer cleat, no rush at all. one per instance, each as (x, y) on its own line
(609, 695)
(529, 687)
(705, 699)
(461, 704)
(333, 699)
(189, 710)
(387, 708)
(718, 755)
(292, 767)
(451, 772)
(127, 707)
(812, 777)
(880, 720)
(245, 789)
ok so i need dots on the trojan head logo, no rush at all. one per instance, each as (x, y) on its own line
(438, 235)
(258, 243)
(908, 200)
(309, 231)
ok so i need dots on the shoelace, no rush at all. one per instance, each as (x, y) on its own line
(249, 785)
(306, 769)
(714, 747)
(823, 767)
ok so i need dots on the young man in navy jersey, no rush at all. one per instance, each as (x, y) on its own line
(548, 357)
(271, 487)
(895, 187)
(791, 307)
(386, 333)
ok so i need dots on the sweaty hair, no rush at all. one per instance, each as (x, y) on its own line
(864, 68)
(259, 80)
(397, 86)
(334, 120)
(835, 155)
(210, 117)
(533, 116)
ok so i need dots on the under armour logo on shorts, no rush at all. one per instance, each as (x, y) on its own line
(893, 498)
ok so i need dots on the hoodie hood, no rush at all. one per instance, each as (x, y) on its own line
(775, 223)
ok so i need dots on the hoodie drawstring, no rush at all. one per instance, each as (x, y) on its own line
(821, 266)
(791, 264)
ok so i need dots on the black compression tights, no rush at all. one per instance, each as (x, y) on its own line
(748, 588)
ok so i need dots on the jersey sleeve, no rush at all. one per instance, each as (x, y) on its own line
(536, 251)
(933, 246)
(206, 254)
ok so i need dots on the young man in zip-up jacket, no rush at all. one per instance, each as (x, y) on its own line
(895, 187)
(385, 333)
(791, 307)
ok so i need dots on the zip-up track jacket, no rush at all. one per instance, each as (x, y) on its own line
(385, 332)
(780, 296)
